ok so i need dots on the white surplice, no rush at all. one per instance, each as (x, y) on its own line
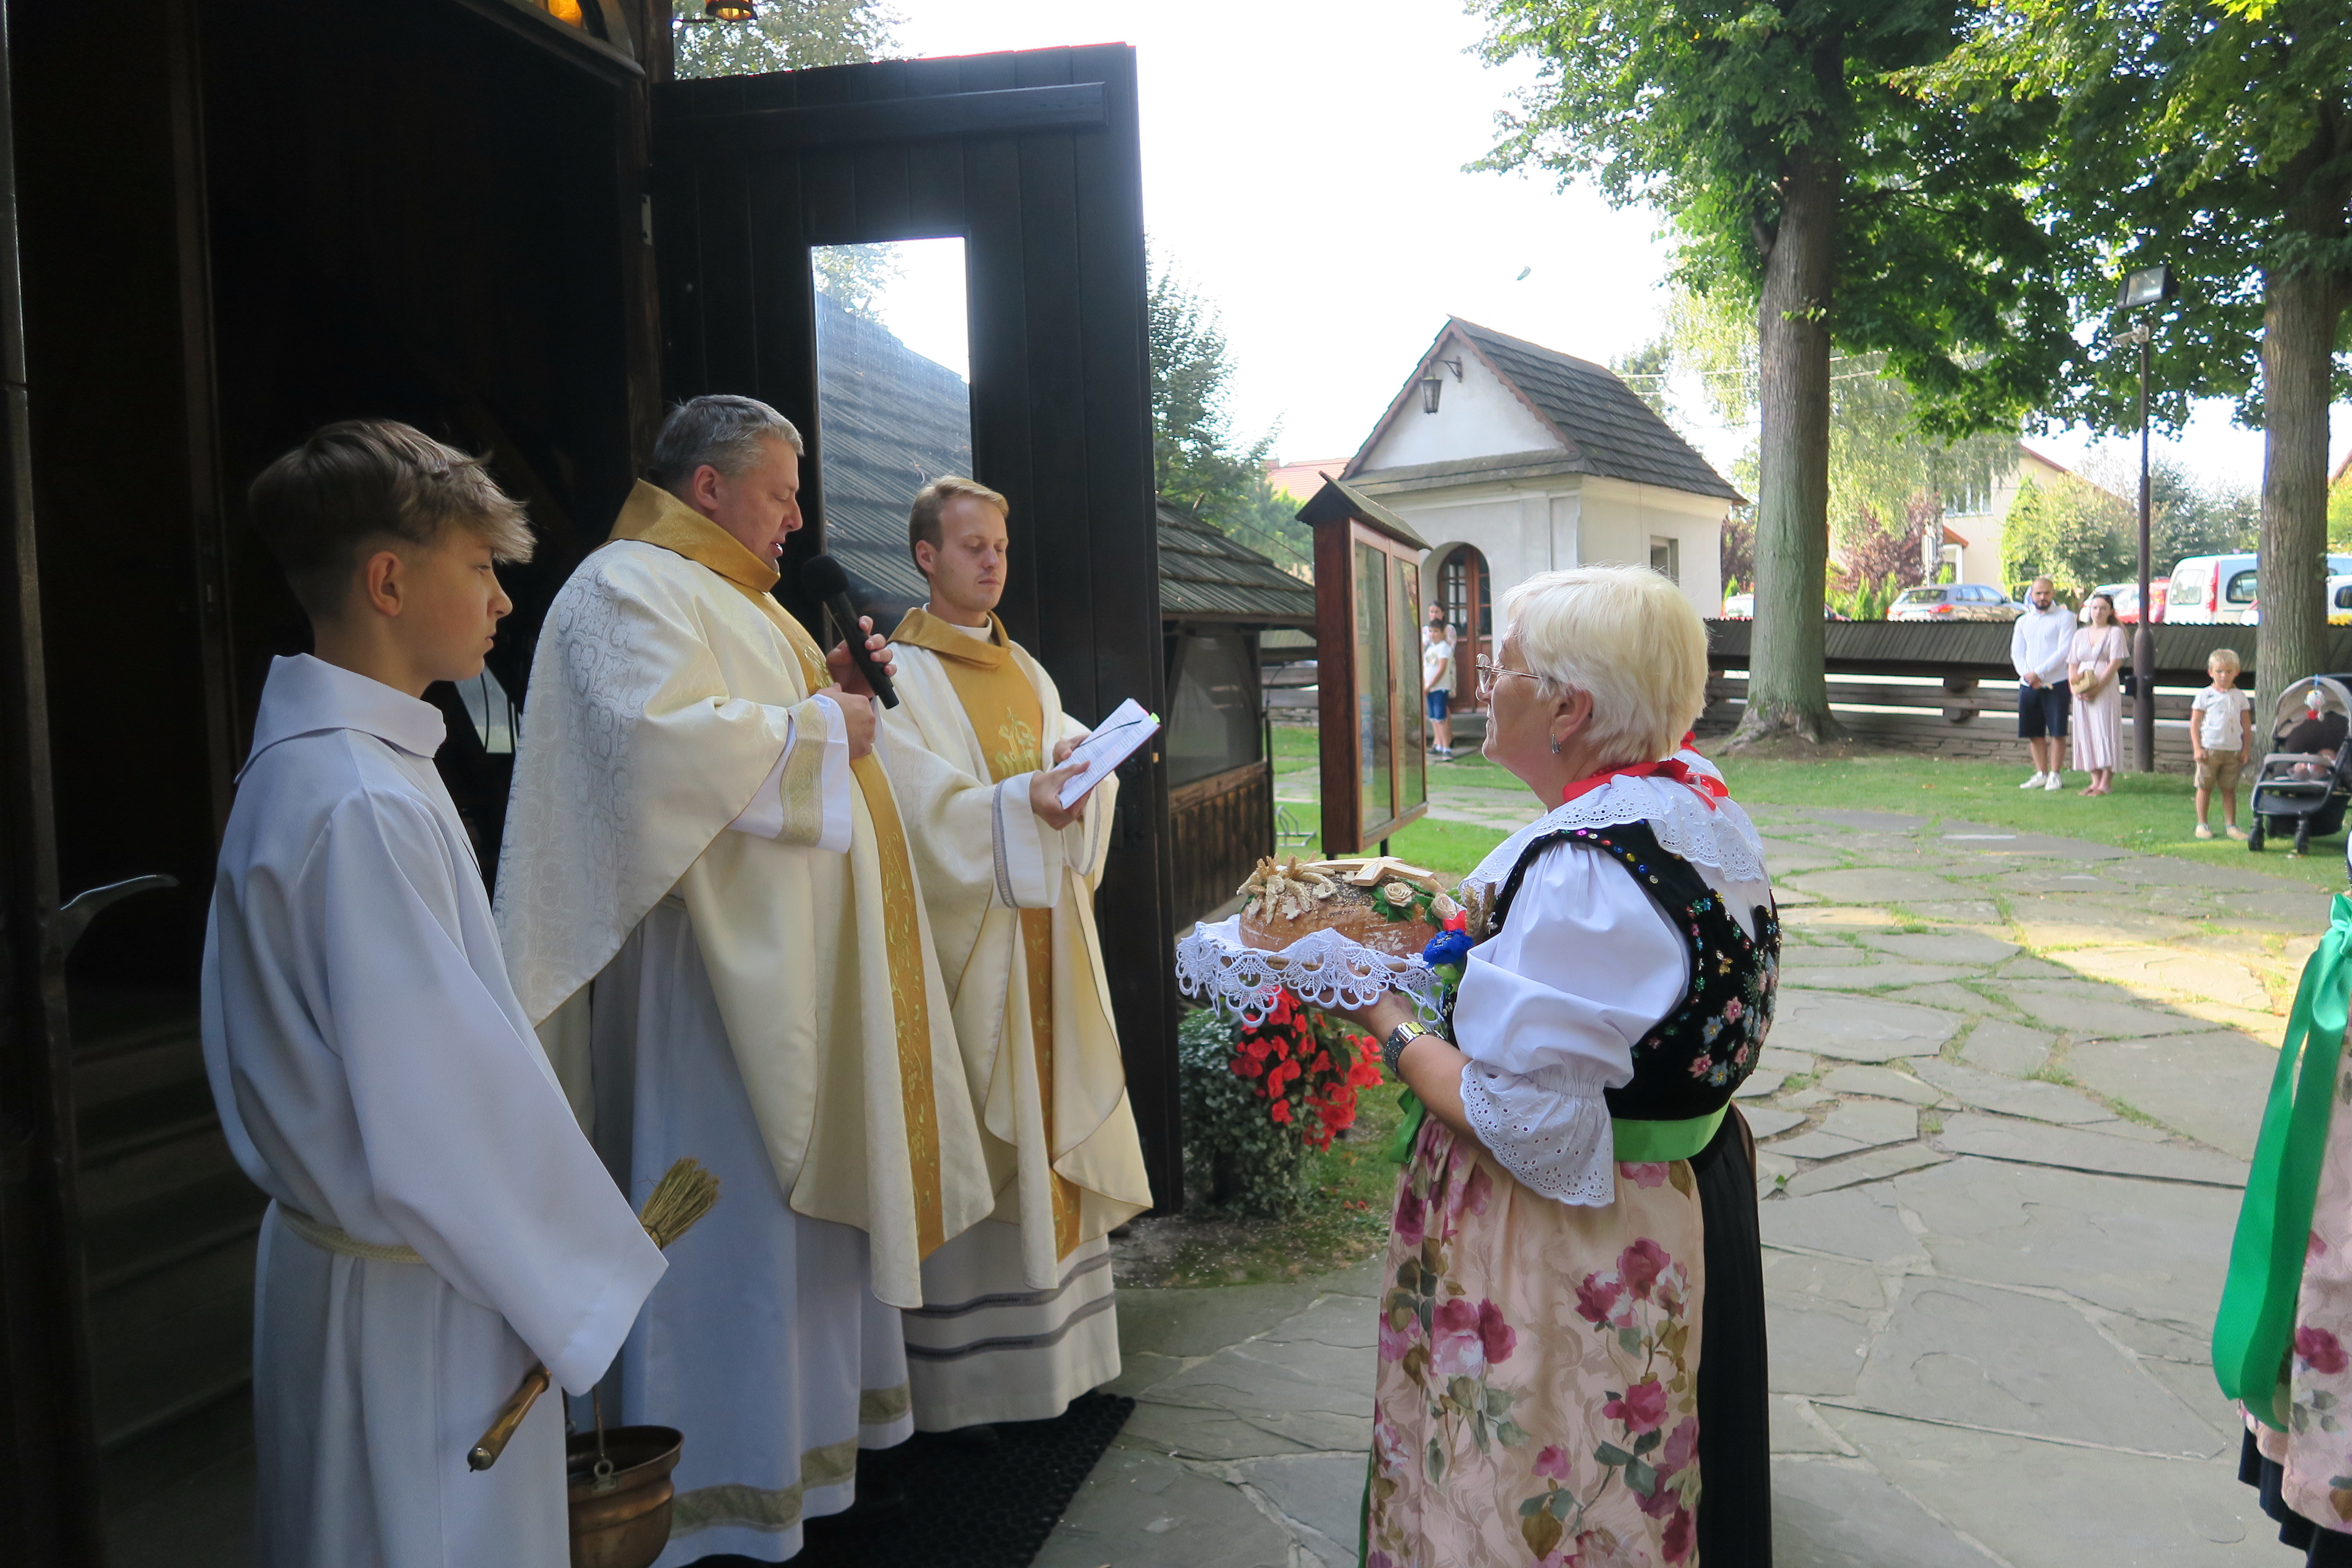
(1012, 1327)
(696, 907)
(375, 1076)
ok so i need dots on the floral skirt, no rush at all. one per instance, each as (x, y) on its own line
(1538, 1395)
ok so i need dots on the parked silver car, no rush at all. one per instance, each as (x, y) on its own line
(1954, 602)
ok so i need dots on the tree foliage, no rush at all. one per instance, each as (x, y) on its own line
(1807, 175)
(786, 35)
(1198, 461)
(2071, 532)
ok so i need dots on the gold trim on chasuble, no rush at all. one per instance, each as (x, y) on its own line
(654, 516)
(1006, 715)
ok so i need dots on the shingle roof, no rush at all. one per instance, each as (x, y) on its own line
(1606, 430)
(888, 422)
(1205, 575)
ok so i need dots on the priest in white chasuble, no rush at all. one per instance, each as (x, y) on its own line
(1017, 1319)
(711, 915)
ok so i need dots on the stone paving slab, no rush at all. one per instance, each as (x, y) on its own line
(1836, 1513)
(1941, 947)
(1991, 1091)
(2074, 1148)
(2007, 1049)
(1983, 1356)
(1958, 911)
(1875, 1165)
(1873, 885)
(1884, 1083)
(2210, 1086)
(1860, 1029)
(1140, 1510)
(1867, 976)
(1766, 1122)
(1759, 1085)
(2047, 1505)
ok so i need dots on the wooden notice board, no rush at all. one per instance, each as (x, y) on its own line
(1368, 667)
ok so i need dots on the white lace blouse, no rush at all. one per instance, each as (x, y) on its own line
(1585, 966)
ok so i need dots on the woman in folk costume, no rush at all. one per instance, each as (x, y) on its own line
(1017, 1319)
(2283, 1338)
(1571, 1341)
(712, 917)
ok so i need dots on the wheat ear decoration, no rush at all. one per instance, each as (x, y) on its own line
(684, 1194)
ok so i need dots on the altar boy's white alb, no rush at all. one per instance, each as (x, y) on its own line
(438, 1220)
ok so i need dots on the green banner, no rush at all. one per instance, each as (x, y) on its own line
(2254, 1332)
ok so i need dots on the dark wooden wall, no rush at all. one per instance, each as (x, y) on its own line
(1218, 827)
(1061, 406)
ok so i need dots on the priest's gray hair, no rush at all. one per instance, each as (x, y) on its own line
(1625, 634)
(726, 432)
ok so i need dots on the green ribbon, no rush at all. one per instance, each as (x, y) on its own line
(1637, 1142)
(2254, 1331)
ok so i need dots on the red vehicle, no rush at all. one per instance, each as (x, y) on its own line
(2126, 600)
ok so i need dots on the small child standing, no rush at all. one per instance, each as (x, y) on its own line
(2221, 730)
(438, 1220)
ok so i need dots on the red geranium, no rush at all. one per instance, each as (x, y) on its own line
(1308, 1068)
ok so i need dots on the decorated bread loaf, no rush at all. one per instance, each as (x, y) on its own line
(1385, 904)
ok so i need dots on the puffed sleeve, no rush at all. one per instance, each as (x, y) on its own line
(1548, 1013)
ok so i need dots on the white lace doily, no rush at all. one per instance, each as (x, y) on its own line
(1322, 968)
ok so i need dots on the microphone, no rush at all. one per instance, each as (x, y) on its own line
(822, 579)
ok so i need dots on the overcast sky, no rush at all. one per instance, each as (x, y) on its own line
(1303, 170)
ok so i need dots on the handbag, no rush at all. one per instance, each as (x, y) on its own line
(2084, 682)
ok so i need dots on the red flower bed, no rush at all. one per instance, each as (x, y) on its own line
(1307, 1066)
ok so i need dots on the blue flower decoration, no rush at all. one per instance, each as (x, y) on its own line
(1447, 948)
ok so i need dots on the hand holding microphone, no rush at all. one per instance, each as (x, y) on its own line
(823, 580)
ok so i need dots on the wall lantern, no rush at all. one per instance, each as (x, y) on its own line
(1432, 385)
(731, 10)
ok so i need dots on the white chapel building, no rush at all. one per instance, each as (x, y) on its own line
(1512, 459)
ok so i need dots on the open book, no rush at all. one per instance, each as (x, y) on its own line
(1114, 740)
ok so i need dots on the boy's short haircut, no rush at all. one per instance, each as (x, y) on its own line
(2227, 658)
(363, 482)
(923, 519)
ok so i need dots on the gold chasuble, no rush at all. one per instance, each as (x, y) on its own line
(1011, 904)
(667, 681)
(1011, 723)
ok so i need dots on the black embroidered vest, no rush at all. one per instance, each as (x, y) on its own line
(1698, 1055)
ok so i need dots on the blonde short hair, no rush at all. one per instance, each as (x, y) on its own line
(2227, 658)
(326, 505)
(923, 518)
(1624, 635)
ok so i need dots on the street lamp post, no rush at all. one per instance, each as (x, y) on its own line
(2148, 286)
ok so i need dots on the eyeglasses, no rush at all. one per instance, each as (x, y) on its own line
(1488, 669)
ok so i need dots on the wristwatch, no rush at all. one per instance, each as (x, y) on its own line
(1392, 1048)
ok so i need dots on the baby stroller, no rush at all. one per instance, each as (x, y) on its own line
(2302, 787)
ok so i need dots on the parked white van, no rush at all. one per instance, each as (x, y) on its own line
(2210, 590)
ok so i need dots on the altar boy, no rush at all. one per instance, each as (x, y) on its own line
(438, 1221)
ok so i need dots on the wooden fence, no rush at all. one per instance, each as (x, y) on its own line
(1948, 690)
(1217, 828)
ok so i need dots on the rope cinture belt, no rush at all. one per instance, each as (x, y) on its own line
(328, 1239)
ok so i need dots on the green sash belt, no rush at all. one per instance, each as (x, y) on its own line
(2254, 1331)
(1638, 1142)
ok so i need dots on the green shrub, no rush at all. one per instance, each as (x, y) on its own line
(1235, 1155)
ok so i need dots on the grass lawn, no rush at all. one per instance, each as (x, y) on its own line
(1452, 847)
(2155, 814)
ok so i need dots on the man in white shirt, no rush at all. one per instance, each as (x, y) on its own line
(2037, 647)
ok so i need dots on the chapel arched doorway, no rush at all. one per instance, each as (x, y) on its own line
(1466, 592)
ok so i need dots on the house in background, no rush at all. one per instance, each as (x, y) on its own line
(1299, 480)
(1976, 517)
(1512, 459)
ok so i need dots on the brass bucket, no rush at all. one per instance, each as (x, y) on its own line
(620, 1519)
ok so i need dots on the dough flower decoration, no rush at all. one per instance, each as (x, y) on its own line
(1287, 890)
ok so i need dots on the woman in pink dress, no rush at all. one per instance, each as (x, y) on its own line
(1571, 1329)
(2092, 664)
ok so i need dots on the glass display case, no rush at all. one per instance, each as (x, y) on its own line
(1373, 721)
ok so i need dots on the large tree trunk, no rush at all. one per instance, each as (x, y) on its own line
(1788, 692)
(2301, 309)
